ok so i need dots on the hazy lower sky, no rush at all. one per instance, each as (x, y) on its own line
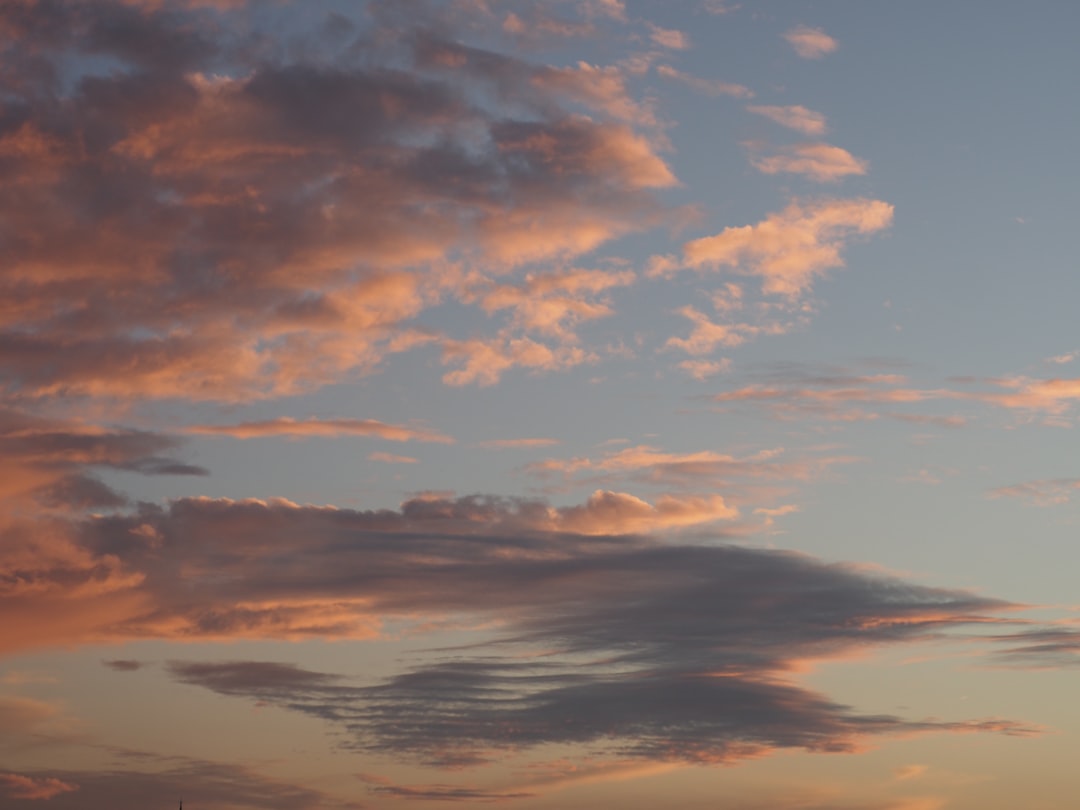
(557, 405)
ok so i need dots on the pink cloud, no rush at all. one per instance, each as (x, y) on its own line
(391, 458)
(704, 369)
(789, 249)
(668, 38)
(818, 161)
(810, 43)
(709, 87)
(794, 117)
(18, 786)
(1044, 492)
(287, 426)
(502, 444)
(254, 244)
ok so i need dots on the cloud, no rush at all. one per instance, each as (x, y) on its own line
(485, 361)
(1054, 397)
(1056, 646)
(1062, 359)
(668, 38)
(704, 369)
(709, 468)
(909, 772)
(651, 649)
(818, 161)
(503, 444)
(707, 335)
(788, 250)
(637, 645)
(391, 458)
(52, 460)
(839, 395)
(31, 788)
(200, 783)
(1044, 492)
(810, 43)
(836, 394)
(23, 714)
(709, 87)
(124, 665)
(794, 117)
(286, 426)
(219, 220)
(552, 304)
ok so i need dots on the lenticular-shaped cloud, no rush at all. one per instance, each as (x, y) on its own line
(652, 649)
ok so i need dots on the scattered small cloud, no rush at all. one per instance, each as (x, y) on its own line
(810, 43)
(391, 458)
(794, 117)
(704, 369)
(818, 161)
(668, 38)
(1044, 492)
(708, 87)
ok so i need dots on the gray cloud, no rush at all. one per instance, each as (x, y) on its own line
(652, 648)
(200, 783)
(226, 217)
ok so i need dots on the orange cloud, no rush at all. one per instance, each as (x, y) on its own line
(484, 362)
(810, 43)
(619, 513)
(18, 786)
(709, 87)
(818, 161)
(794, 117)
(668, 38)
(789, 249)
(255, 244)
(287, 426)
(704, 369)
(391, 458)
(517, 443)
(1045, 492)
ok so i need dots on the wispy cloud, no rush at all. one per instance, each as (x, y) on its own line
(810, 43)
(709, 87)
(392, 458)
(504, 444)
(818, 161)
(794, 117)
(668, 37)
(1043, 492)
(296, 428)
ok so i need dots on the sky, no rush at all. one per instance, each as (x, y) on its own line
(557, 405)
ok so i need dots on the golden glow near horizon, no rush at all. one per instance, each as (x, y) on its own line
(544, 403)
